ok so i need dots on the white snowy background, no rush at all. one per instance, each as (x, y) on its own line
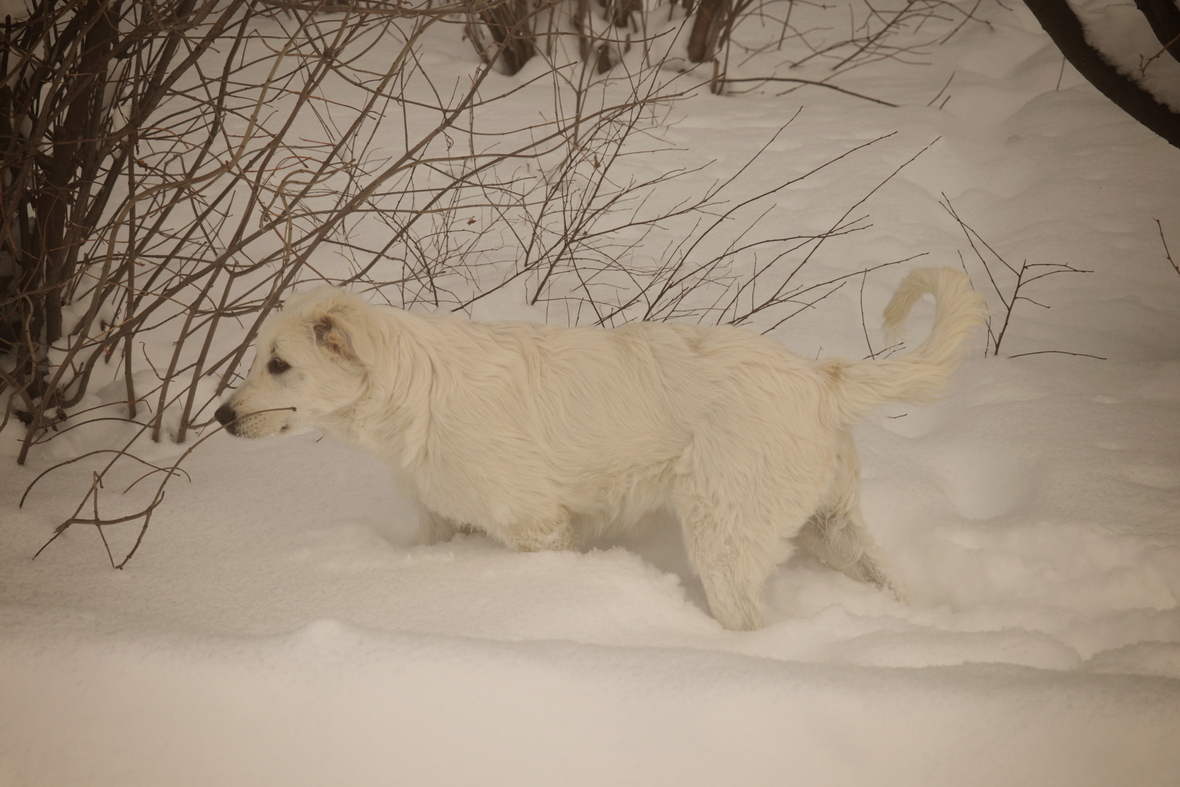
(280, 626)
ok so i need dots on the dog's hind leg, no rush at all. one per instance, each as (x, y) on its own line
(836, 532)
(840, 541)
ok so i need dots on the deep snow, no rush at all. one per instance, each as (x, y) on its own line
(280, 625)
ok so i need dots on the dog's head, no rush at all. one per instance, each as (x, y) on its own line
(311, 360)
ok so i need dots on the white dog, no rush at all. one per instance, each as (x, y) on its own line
(535, 434)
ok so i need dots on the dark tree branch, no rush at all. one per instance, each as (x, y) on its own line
(1164, 18)
(1067, 32)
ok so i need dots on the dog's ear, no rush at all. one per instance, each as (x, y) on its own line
(343, 328)
(334, 338)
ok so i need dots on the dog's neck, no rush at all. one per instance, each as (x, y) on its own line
(376, 419)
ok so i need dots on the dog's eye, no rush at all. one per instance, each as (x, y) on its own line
(277, 366)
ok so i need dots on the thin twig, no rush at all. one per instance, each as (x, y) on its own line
(1167, 253)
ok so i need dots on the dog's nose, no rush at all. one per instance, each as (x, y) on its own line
(225, 414)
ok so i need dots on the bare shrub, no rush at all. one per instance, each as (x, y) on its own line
(1009, 283)
(826, 39)
(155, 194)
(312, 145)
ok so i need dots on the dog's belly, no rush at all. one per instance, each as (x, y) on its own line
(620, 502)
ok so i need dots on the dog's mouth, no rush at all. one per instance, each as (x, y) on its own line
(263, 423)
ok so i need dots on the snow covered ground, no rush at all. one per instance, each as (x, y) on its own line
(280, 626)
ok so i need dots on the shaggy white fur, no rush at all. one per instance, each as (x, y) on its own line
(535, 434)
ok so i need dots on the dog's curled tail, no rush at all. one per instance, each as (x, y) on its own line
(922, 376)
